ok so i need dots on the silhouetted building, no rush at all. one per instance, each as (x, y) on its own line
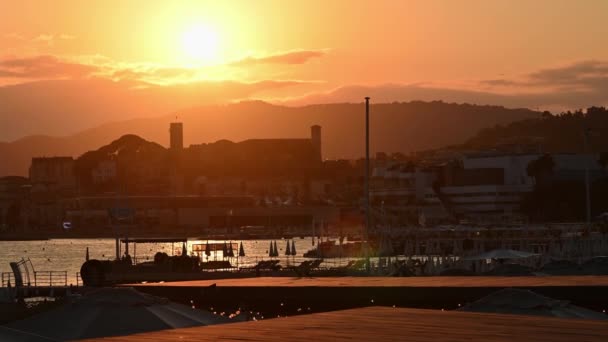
(255, 158)
(215, 214)
(315, 137)
(13, 193)
(104, 172)
(176, 131)
(56, 172)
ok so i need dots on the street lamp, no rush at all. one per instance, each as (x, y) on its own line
(367, 201)
(586, 133)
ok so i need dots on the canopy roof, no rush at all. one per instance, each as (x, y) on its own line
(502, 254)
(113, 311)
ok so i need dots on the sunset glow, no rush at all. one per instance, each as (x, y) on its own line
(301, 52)
(200, 43)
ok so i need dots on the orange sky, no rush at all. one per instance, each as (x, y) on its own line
(489, 46)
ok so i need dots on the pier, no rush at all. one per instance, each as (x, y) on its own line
(25, 282)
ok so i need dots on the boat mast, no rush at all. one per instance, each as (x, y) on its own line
(587, 190)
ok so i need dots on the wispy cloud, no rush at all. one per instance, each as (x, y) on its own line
(582, 75)
(290, 57)
(46, 39)
(64, 36)
(13, 35)
(51, 39)
(570, 86)
(43, 67)
(154, 74)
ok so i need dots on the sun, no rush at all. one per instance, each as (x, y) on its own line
(200, 43)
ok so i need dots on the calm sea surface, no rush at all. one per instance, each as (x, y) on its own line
(69, 254)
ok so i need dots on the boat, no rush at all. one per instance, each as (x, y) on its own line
(332, 249)
(163, 267)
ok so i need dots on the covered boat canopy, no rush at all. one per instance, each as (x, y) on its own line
(213, 247)
(154, 240)
(502, 254)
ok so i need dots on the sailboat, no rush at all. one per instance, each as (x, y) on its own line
(276, 250)
(230, 250)
(287, 249)
(241, 250)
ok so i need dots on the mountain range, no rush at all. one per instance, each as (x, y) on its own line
(395, 127)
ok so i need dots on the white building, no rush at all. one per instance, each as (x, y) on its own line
(486, 188)
(398, 190)
(475, 187)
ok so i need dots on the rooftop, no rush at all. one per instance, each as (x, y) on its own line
(390, 324)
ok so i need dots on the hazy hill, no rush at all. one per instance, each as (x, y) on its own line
(64, 107)
(395, 127)
(554, 133)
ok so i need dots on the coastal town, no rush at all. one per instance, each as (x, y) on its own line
(271, 188)
(303, 171)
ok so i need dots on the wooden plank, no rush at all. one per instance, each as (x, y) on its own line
(533, 281)
(390, 324)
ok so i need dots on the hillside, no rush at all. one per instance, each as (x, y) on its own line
(395, 127)
(554, 133)
(66, 107)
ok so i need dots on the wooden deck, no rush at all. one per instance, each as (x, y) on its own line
(392, 282)
(390, 324)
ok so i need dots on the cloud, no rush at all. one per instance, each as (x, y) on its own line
(51, 39)
(44, 38)
(581, 75)
(154, 74)
(568, 86)
(572, 73)
(66, 36)
(498, 82)
(48, 67)
(291, 57)
(553, 99)
(43, 67)
(14, 35)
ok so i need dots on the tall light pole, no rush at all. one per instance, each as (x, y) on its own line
(367, 201)
(587, 191)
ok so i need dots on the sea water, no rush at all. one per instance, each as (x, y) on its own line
(69, 254)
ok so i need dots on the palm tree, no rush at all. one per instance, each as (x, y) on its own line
(541, 169)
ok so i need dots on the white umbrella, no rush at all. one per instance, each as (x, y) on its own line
(111, 312)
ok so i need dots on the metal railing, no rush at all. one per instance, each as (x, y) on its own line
(51, 278)
(8, 277)
(41, 278)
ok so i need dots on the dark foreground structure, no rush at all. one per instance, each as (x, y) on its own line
(290, 296)
(390, 324)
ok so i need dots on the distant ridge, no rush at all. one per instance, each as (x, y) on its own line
(395, 127)
(553, 133)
